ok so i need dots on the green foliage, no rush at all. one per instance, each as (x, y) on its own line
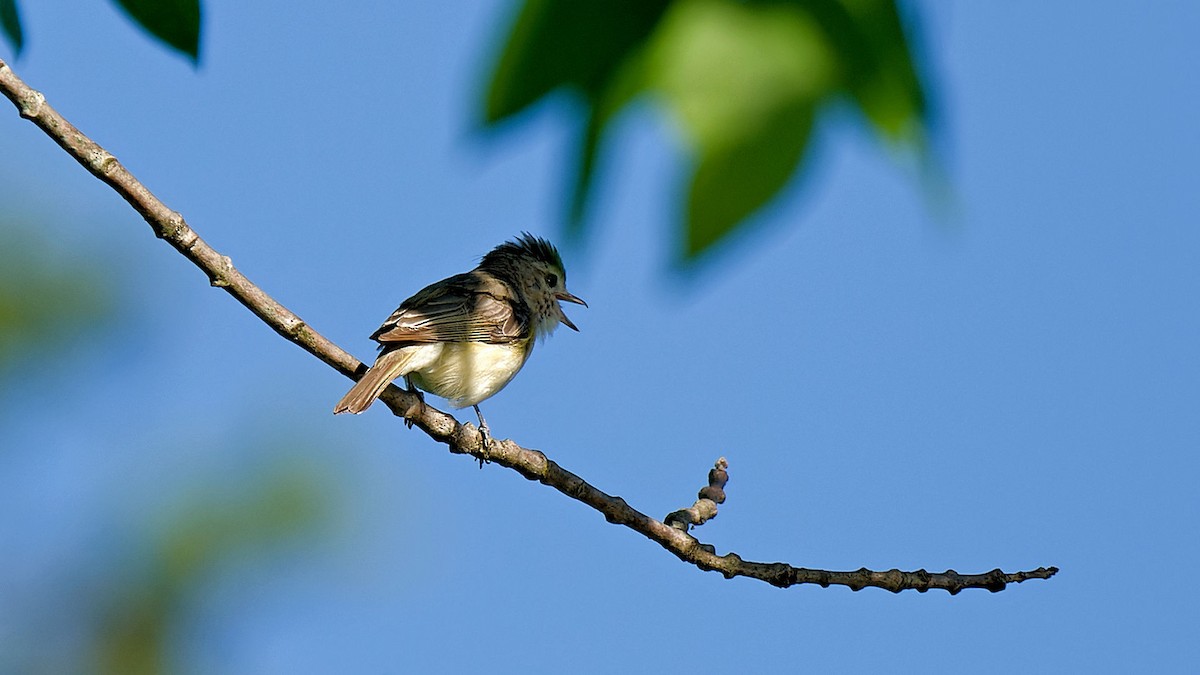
(744, 79)
(175, 22)
(597, 34)
(582, 45)
(196, 538)
(47, 302)
(10, 25)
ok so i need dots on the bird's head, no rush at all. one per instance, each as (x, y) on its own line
(535, 268)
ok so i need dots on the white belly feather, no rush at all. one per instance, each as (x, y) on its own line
(466, 373)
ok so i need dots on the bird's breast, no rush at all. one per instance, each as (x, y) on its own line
(466, 373)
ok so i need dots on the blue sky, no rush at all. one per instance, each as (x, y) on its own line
(1007, 379)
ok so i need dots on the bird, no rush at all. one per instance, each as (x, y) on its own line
(465, 337)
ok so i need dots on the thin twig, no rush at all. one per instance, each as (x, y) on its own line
(704, 508)
(461, 438)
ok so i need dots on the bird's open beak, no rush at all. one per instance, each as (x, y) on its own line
(562, 315)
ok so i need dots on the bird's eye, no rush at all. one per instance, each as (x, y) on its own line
(551, 280)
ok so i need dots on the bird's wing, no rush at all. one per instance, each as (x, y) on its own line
(471, 307)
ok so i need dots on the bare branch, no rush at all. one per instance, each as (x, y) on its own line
(705, 508)
(461, 438)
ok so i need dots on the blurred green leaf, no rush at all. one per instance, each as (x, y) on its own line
(10, 23)
(878, 67)
(626, 83)
(578, 43)
(175, 22)
(732, 181)
(46, 301)
(745, 79)
(197, 537)
(288, 501)
(744, 82)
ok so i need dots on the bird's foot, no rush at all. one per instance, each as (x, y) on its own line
(408, 422)
(486, 435)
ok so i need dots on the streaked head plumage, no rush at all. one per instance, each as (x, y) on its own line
(534, 267)
(525, 246)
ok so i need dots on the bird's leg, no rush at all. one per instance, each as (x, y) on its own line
(412, 389)
(487, 436)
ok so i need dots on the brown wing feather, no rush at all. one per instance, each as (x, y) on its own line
(471, 307)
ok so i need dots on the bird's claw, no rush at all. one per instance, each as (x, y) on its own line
(408, 421)
(486, 435)
(486, 450)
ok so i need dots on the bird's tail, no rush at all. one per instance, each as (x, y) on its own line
(388, 367)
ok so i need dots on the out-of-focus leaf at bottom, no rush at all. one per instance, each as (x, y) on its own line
(209, 528)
